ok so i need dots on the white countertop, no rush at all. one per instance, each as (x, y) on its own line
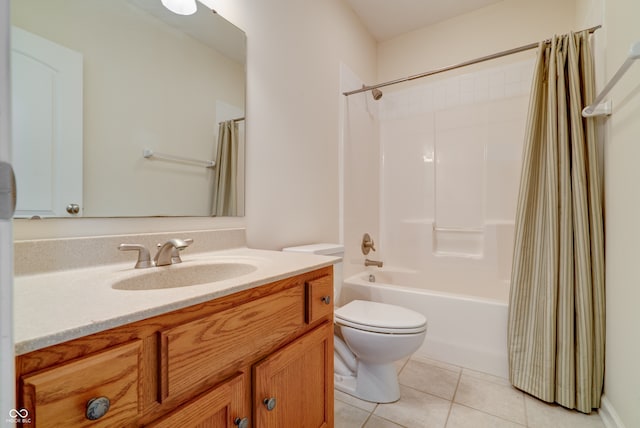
(52, 308)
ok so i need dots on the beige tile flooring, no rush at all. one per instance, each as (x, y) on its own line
(438, 395)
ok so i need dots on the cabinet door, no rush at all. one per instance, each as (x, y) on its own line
(220, 407)
(293, 387)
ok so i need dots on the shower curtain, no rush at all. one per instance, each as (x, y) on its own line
(556, 309)
(225, 183)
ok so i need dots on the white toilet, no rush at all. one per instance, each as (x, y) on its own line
(375, 336)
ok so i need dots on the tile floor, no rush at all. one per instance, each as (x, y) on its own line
(438, 395)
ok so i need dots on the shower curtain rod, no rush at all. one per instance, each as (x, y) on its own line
(462, 64)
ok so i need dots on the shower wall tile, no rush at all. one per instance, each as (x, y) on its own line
(512, 74)
(440, 96)
(492, 84)
(467, 83)
(462, 117)
(508, 109)
(394, 105)
(453, 92)
(496, 85)
(481, 87)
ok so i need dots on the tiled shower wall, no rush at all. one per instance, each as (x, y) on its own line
(451, 154)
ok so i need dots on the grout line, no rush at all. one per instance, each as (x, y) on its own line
(366, 420)
(494, 416)
(453, 398)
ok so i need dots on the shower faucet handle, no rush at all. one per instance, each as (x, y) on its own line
(367, 244)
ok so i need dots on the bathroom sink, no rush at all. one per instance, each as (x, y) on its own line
(183, 275)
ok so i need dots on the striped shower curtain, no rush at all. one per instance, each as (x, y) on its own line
(225, 191)
(556, 309)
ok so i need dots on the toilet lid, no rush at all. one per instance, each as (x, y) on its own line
(380, 317)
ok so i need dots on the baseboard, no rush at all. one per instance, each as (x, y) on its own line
(609, 415)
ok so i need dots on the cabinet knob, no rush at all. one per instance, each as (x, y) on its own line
(270, 403)
(97, 408)
(241, 423)
(326, 299)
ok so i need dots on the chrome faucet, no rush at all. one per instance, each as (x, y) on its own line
(368, 262)
(175, 252)
(168, 253)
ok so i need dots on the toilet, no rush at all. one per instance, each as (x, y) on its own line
(370, 338)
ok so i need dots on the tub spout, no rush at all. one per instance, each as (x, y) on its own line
(368, 262)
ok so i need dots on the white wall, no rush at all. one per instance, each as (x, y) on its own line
(500, 26)
(622, 207)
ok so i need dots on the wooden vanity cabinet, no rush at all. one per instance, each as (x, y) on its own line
(257, 358)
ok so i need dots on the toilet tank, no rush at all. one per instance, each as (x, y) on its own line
(334, 250)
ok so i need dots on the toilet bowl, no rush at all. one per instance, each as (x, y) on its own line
(378, 335)
(370, 338)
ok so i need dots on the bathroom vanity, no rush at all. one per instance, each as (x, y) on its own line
(252, 356)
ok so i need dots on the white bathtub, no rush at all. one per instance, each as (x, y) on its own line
(462, 330)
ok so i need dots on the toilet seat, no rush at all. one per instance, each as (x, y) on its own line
(380, 318)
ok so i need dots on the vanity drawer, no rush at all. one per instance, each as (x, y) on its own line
(193, 352)
(319, 298)
(59, 396)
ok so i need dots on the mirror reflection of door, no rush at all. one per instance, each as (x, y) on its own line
(46, 102)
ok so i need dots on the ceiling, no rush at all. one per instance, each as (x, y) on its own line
(386, 19)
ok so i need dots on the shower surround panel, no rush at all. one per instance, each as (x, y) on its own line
(451, 155)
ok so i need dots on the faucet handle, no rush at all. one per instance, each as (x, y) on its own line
(367, 244)
(144, 258)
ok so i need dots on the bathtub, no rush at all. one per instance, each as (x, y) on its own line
(462, 330)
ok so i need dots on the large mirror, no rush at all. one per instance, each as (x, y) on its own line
(123, 109)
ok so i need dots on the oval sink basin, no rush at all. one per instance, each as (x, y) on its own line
(184, 276)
